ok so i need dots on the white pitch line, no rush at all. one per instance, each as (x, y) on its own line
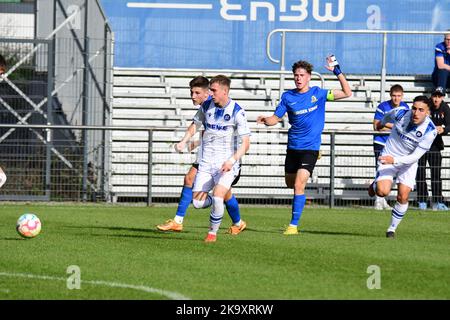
(168, 294)
(169, 5)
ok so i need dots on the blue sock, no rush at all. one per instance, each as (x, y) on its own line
(297, 208)
(185, 200)
(233, 209)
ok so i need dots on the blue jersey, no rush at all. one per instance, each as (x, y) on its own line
(441, 51)
(382, 109)
(306, 112)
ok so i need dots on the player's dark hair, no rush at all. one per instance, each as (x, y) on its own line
(304, 65)
(396, 88)
(222, 80)
(423, 99)
(200, 82)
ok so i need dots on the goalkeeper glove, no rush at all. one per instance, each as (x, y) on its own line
(334, 63)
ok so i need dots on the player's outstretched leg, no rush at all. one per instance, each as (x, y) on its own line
(297, 208)
(177, 223)
(238, 225)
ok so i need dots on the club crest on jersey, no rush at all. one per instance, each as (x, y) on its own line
(418, 134)
(227, 117)
(313, 99)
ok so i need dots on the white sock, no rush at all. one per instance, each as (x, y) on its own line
(216, 215)
(178, 219)
(237, 224)
(398, 212)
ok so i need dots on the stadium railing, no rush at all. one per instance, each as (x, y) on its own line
(342, 176)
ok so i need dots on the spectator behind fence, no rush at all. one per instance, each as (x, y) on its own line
(440, 115)
(2, 71)
(441, 72)
(379, 140)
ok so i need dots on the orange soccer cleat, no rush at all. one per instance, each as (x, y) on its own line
(234, 230)
(170, 225)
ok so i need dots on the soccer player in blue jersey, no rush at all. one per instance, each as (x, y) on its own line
(379, 140)
(305, 107)
(441, 71)
(199, 88)
(411, 137)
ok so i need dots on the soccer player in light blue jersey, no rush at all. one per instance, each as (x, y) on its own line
(305, 107)
(199, 88)
(379, 140)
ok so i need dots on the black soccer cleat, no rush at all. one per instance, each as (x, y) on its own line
(390, 234)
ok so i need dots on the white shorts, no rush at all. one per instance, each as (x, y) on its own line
(406, 174)
(206, 181)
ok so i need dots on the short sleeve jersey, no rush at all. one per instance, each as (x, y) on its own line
(223, 128)
(306, 113)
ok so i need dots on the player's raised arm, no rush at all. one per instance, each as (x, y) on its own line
(334, 67)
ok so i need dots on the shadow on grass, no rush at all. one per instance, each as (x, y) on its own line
(337, 233)
(150, 233)
(122, 229)
(12, 239)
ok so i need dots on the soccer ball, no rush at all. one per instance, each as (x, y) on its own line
(28, 225)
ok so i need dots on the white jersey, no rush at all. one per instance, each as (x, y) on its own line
(406, 137)
(223, 128)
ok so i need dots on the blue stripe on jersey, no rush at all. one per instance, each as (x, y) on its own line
(400, 114)
(430, 127)
(206, 105)
(218, 113)
(236, 109)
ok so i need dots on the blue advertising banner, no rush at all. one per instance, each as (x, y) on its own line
(231, 34)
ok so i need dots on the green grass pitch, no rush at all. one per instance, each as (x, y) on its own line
(121, 255)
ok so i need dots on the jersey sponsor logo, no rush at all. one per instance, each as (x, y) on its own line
(303, 111)
(227, 117)
(404, 137)
(217, 127)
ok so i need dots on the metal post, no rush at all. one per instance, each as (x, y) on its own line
(48, 155)
(85, 115)
(332, 158)
(149, 167)
(383, 68)
(105, 111)
(282, 66)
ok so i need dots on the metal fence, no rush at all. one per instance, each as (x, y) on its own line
(62, 77)
(394, 60)
(54, 171)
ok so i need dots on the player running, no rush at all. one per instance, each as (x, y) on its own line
(412, 136)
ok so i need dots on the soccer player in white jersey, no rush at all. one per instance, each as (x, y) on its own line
(225, 123)
(199, 88)
(412, 136)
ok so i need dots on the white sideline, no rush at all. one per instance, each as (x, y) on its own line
(168, 294)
